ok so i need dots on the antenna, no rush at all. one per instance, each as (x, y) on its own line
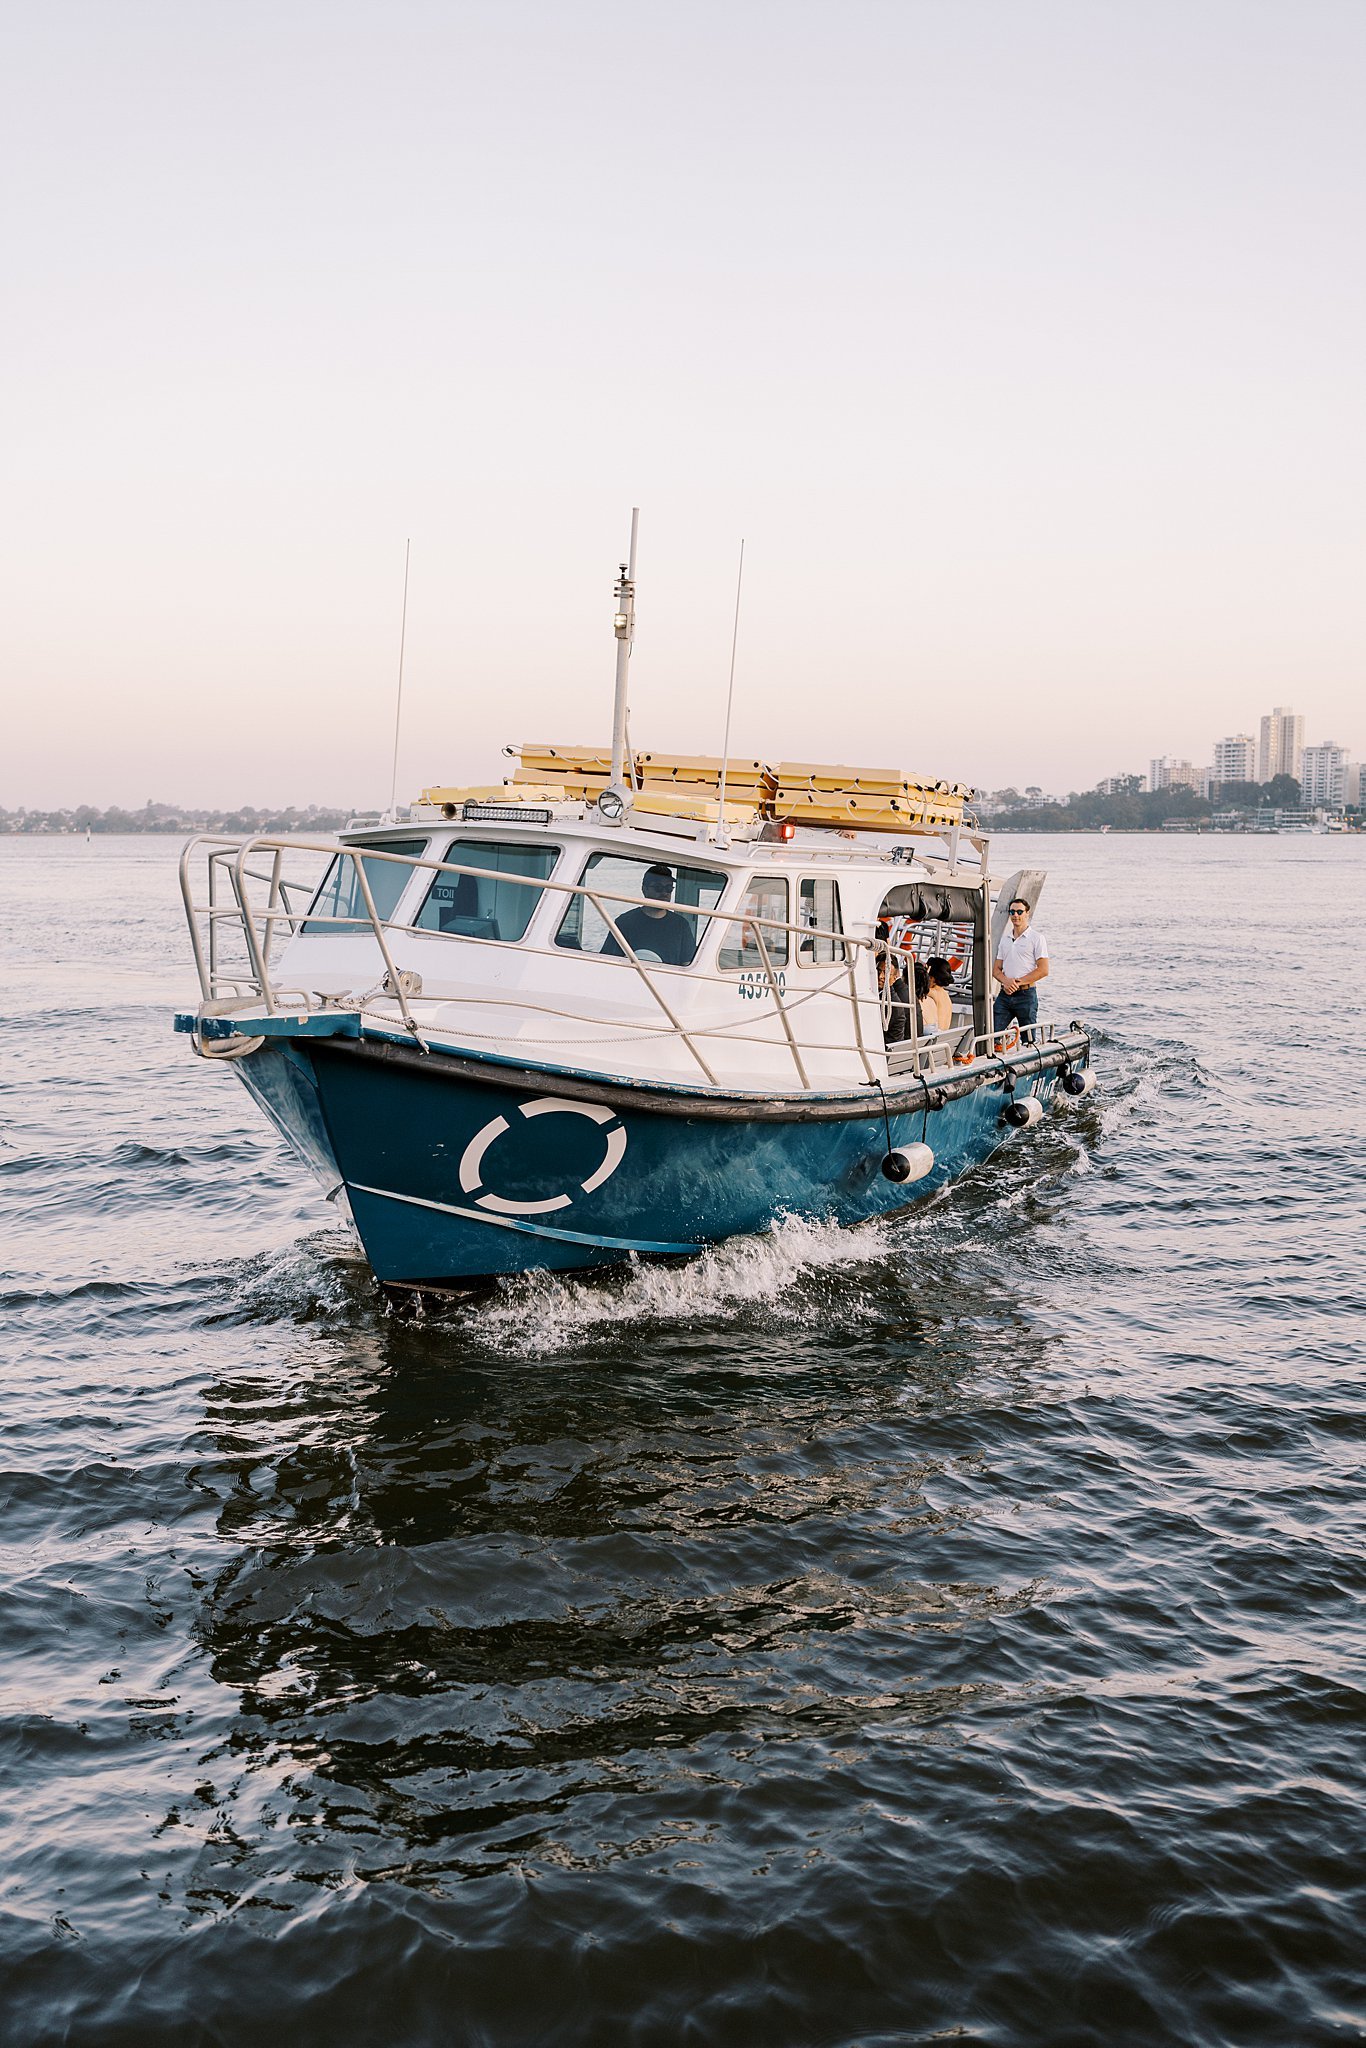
(624, 626)
(398, 706)
(722, 836)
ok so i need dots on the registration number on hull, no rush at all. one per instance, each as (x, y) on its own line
(754, 985)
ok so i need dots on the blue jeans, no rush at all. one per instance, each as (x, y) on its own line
(1022, 1008)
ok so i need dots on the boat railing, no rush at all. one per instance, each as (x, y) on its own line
(234, 865)
(960, 1046)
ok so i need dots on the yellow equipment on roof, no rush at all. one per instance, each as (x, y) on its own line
(866, 799)
(749, 782)
(688, 785)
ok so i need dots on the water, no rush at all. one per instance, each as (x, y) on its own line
(948, 1631)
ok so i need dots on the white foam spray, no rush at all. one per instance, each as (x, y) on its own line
(768, 1278)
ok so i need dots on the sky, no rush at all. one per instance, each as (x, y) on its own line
(1021, 341)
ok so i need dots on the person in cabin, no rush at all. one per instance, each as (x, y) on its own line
(939, 1011)
(1021, 963)
(657, 935)
(894, 987)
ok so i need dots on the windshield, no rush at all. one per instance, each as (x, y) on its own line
(341, 896)
(665, 931)
(481, 906)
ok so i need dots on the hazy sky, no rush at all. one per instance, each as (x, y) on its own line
(1023, 341)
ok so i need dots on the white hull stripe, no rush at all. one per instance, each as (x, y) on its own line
(617, 1244)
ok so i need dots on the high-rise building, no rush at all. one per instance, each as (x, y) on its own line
(1170, 774)
(1235, 759)
(1323, 778)
(1281, 744)
(1122, 785)
(1351, 785)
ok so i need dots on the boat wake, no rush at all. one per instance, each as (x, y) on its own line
(777, 1280)
(319, 1277)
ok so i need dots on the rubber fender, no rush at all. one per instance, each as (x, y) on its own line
(1024, 1112)
(908, 1162)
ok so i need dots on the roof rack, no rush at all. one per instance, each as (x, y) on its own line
(688, 785)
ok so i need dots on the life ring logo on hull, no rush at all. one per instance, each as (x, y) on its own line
(472, 1159)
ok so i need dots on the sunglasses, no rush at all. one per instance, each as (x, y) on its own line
(1019, 909)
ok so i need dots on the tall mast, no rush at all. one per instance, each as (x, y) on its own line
(398, 704)
(624, 626)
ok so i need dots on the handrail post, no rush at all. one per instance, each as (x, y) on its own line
(392, 971)
(273, 898)
(214, 857)
(857, 1005)
(641, 970)
(981, 938)
(782, 1009)
(912, 1011)
(191, 919)
(258, 959)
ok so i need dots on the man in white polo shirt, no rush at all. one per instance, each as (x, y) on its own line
(1021, 964)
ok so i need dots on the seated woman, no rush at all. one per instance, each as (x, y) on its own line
(924, 1014)
(937, 1009)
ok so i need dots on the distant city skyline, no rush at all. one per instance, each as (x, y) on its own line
(1278, 749)
(1328, 769)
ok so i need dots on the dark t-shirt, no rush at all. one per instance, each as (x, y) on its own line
(667, 940)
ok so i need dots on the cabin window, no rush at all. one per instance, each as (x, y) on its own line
(819, 910)
(665, 931)
(766, 897)
(483, 906)
(341, 896)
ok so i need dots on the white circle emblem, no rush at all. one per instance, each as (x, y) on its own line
(472, 1159)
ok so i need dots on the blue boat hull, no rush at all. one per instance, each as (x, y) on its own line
(457, 1170)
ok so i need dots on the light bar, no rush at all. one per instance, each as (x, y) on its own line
(516, 814)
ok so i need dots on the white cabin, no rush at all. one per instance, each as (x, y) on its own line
(761, 973)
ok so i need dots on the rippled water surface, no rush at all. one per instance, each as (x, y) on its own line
(947, 1631)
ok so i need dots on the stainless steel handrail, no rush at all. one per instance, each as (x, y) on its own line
(644, 974)
(778, 999)
(233, 856)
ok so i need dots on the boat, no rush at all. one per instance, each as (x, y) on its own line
(621, 1005)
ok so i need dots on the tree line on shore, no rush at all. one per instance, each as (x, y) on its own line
(1126, 810)
(1135, 810)
(175, 818)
